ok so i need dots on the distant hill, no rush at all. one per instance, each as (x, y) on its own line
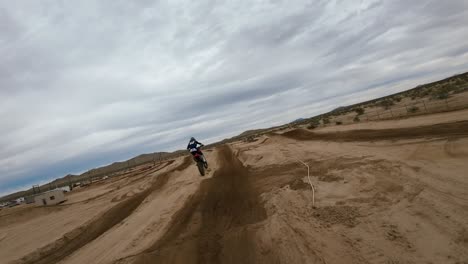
(251, 132)
(338, 109)
(298, 120)
(98, 172)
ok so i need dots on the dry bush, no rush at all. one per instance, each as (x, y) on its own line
(441, 93)
(386, 104)
(359, 111)
(313, 124)
(413, 109)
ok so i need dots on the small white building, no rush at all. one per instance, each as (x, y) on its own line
(50, 198)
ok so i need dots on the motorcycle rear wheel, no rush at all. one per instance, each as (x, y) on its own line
(201, 168)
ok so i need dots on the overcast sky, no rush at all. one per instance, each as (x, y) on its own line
(86, 83)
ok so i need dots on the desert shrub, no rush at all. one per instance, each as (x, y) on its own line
(387, 103)
(440, 94)
(460, 90)
(338, 123)
(459, 82)
(314, 124)
(359, 111)
(326, 120)
(357, 119)
(413, 109)
(425, 92)
(397, 98)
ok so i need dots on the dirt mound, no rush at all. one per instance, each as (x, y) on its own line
(215, 225)
(264, 140)
(455, 129)
(300, 134)
(277, 176)
(81, 236)
(345, 215)
(330, 178)
(133, 178)
(162, 179)
(299, 184)
(185, 164)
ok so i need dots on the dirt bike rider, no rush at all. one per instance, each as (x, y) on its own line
(194, 148)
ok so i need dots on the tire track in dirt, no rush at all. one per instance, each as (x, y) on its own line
(27, 213)
(229, 206)
(455, 129)
(83, 235)
(216, 225)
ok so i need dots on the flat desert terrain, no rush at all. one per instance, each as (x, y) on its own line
(390, 192)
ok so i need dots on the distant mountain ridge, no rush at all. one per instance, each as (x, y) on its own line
(298, 120)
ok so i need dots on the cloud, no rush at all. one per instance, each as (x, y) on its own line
(83, 84)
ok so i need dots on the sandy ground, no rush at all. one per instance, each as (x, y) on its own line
(392, 192)
(439, 118)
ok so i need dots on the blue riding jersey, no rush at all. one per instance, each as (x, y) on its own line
(193, 145)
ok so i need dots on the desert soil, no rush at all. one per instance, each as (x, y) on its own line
(390, 192)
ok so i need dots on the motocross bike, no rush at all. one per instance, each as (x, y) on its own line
(202, 164)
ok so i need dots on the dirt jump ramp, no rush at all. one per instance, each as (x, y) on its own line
(216, 225)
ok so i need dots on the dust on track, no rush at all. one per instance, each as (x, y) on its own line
(216, 225)
(455, 129)
(83, 235)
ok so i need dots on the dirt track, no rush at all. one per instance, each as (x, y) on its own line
(214, 226)
(382, 196)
